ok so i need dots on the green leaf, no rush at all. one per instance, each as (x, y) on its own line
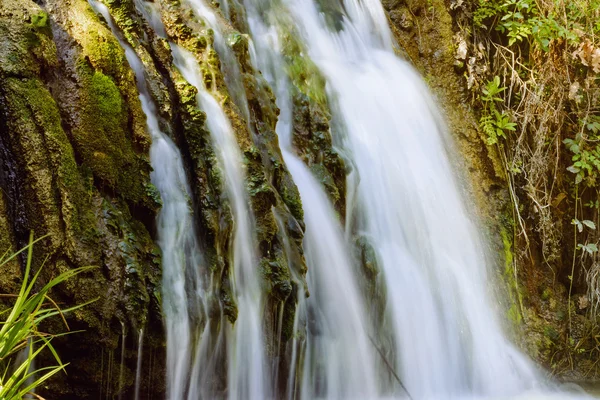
(592, 248)
(589, 224)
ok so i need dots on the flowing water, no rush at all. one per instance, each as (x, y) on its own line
(408, 203)
(182, 286)
(246, 363)
(229, 63)
(335, 322)
(444, 339)
(188, 355)
(138, 365)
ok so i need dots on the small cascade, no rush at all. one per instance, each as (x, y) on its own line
(182, 286)
(340, 321)
(151, 13)
(338, 361)
(246, 362)
(138, 366)
(247, 377)
(229, 63)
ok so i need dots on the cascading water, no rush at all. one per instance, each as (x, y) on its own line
(182, 286)
(229, 64)
(247, 377)
(335, 322)
(447, 342)
(246, 364)
(138, 365)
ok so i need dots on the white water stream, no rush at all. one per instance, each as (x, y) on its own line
(338, 362)
(247, 377)
(448, 341)
(182, 299)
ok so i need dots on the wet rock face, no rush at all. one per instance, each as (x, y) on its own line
(313, 143)
(273, 197)
(75, 166)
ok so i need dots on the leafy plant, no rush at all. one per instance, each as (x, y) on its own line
(21, 341)
(514, 22)
(589, 248)
(493, 123)
(549, 55)
(585, 158)
(522, 21)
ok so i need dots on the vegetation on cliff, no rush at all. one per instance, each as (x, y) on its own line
(534, 70)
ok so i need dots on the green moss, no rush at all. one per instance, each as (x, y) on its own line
(103, 51)
(551, 333)
(302, 71)
(515, 312)
(26, 44)
(32, 101)
(104, 140)
(312, 139)
(323, 175)
(547, 294)
(229, 305)
(209, 177)
(124, 14)
(291, 197)
(277, 275)
(256, 182)
(39, 27)
(109, 102)
(40, 20)
(153, 193)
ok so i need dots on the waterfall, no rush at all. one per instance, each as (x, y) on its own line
(247, 377)
(446, 342)
(182, 287)
(138, 366)
(408, 203)
(229, 64)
